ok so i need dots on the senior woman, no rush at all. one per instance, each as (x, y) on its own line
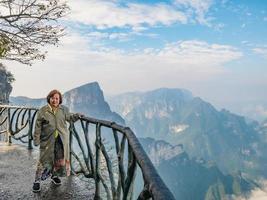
(51, 133)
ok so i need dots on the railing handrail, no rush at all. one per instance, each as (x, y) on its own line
(153, 184)
(157, 187)
(17, 107)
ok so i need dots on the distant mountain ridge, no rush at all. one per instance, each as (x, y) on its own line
(159, 150)
(175, 116)
(26, 101)
(125, 103)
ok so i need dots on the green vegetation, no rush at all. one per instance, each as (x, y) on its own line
(6, 79)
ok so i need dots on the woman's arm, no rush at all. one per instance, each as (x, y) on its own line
(37, 129)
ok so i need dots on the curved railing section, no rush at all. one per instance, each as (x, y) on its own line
(17, 123)
(103, 152)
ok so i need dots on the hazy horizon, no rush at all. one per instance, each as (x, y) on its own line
(232, 108)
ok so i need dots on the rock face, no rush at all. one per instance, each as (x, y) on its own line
(175, 116)
(159, 150)
(87, 99)
(193, 178)
(6, 78)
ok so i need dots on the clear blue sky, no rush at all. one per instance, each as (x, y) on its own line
(216, 49)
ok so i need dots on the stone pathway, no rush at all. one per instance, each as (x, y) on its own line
(17, 169)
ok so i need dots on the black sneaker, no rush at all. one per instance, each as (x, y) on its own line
(56, 180)
(36, 187)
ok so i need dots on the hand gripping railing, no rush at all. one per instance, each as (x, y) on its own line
(93, 159)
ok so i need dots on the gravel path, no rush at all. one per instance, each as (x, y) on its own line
(17, 169)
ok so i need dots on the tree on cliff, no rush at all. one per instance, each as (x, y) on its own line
(27, 25)
(6, 78)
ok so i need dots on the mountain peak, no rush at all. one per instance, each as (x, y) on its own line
(89, 99)
(171, 92)
(93, 86)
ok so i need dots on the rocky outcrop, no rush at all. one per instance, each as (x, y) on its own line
(89, 99)
(194, 178)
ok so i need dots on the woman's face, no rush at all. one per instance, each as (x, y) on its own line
(54, 100)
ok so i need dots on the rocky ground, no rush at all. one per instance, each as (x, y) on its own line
(17, 169)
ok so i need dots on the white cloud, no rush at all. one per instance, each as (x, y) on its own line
(199, 53)
(219, 26)
(255, 111)
(244, 42)
(104, 14)
(257, 194)
(100, 37)
(139, 28)
(261, 110)
(261, 51)
(199, 7)
(178, 128)
(135, 18)
(78, 61)
(108, 14)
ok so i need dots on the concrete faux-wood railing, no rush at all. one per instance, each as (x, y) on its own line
(94, 156)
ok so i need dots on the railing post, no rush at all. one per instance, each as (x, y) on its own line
(97, 164)
(70, 144)
(3, 124)
(131, 172)
(9, 127)
(9, 140)
(30, 131)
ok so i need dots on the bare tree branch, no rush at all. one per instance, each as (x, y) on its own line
(27, 25)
